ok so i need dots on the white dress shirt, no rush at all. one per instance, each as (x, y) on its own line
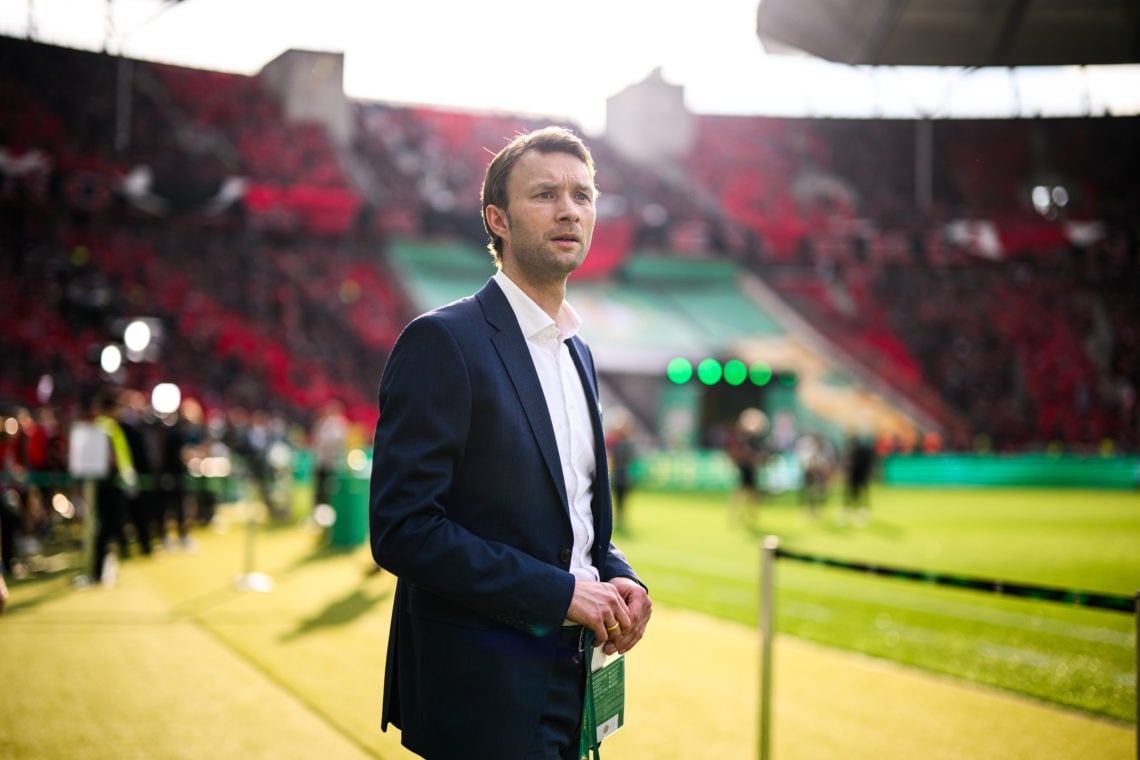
(566, 400)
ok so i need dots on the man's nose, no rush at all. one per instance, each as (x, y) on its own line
(567, 209)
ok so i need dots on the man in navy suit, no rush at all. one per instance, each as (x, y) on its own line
(490, 497)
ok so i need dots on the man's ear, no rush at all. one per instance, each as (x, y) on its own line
(497, 221)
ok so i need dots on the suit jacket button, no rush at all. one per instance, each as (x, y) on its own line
(564, 555)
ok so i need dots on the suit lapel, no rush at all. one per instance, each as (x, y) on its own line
(508, 340)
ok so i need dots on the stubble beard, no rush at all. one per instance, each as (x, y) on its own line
(533, 255)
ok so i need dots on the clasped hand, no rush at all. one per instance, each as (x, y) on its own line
(617, 611)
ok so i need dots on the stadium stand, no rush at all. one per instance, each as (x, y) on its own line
(273, 255)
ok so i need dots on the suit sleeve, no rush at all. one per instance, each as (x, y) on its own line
(422, 435)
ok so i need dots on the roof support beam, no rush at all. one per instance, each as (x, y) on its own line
(872, 46)
(1014, 15)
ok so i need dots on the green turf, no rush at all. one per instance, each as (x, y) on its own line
(692, 555)
(174, 663)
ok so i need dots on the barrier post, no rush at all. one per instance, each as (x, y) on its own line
(767, 633)
(251, 580)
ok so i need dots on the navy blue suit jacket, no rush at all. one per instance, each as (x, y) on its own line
(468, 509)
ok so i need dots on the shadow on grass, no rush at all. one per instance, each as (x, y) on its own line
(29, 593)
(323, 551)
(339, 612)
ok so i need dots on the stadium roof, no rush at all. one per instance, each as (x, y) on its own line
(954, 32)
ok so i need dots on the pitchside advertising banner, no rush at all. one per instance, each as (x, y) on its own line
(1043, 470)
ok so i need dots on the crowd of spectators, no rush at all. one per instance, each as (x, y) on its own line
(165, 473)
(429, 164)
(1028, 338)
(1028, 346)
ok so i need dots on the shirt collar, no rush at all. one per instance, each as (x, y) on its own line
(535, 322)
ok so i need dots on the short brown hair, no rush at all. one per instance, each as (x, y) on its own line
(545, 140)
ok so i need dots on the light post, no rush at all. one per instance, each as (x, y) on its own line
(124, 75)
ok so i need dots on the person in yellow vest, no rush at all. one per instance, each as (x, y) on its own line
(112, 491)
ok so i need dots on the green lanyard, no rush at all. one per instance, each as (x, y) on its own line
(588, 739)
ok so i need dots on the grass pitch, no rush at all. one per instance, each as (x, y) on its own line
(174, 662)
(693, 555)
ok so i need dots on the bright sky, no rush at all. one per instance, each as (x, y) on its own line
(557, 59)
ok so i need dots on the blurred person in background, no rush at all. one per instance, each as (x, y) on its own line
(622, 451)
(174, 438)
(816, 457)
(30, 474)
(25, 493)
(213, 436)
(130, 413)
(278, 456)
(257, 437)
(231, 428)
(856, 494)
(490, 494)
(4, 566)
(111, 491)
(47, 461)
(744, 446)
(13, 475)
(329, 439)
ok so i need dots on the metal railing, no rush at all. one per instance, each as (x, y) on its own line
(771, 551)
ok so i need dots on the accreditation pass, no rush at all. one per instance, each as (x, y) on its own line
(607, 684)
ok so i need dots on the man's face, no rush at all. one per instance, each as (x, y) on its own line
(549, 220)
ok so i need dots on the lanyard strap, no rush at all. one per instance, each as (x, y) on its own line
(588, 738)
